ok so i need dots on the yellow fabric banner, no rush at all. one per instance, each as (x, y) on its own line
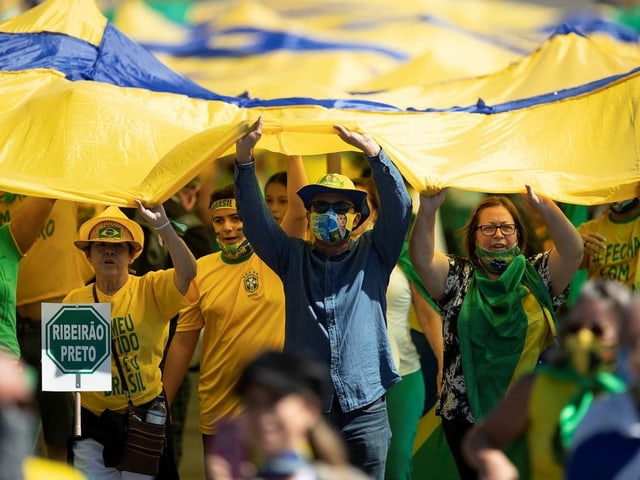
(98, 136)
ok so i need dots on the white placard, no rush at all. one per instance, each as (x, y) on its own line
(76, 347)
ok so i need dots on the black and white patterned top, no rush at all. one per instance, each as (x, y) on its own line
(453, 403)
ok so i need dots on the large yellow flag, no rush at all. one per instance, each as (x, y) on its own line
(88, 114)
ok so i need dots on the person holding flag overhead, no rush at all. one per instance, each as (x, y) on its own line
(335, 288)
(497, 306)
(141, 308)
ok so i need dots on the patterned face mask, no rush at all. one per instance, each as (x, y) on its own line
(331, 226)
(496, 262)
(236, 250)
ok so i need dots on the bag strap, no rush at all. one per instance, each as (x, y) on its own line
(125, 387)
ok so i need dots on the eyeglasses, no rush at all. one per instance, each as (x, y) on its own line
(490, 230)
(320, 206)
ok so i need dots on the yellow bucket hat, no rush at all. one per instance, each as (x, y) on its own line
(336, 183)
(111, 226)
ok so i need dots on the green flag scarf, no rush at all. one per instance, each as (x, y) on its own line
(492, 329)
(573, 412)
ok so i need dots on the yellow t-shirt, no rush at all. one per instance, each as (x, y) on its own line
(36, 468)
(620, 260)
(140, 314)
(548, 397)
(242, 311)
(53, 266)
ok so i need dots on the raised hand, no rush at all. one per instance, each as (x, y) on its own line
(155, 216)
(245, 145)
(363, 141)
(431, 203)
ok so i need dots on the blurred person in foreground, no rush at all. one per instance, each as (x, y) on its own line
(18, 423)
(606, 443)
(497, 306)
(282, 432)
(545, 406)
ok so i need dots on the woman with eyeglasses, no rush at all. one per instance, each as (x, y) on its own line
(497, 305)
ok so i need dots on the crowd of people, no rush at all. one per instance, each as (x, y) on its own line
(301, 305)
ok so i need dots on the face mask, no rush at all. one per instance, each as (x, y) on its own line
(235, 250)
(624, 206)
(326, 226)
(584, 350)
(496, 262)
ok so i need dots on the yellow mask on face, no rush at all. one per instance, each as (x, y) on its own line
(584, 350)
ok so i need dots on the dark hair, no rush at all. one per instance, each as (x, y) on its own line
(284, 373)
(372, 191)
(278, 177)
(228, 191)
(615, 297)
(470, 228)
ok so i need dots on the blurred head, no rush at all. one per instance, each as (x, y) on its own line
(495, 226)
(227, 225)
(590, 333)
(275, 194)
(367, 185)
(282, 394)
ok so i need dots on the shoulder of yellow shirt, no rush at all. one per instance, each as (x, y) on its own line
(36, 468)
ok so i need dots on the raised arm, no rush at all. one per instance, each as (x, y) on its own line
(182, 258)
(483, 443)
(28, 221)
(431, 265)
(566, 256)
(295, 220)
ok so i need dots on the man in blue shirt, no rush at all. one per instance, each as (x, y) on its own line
(335, 287)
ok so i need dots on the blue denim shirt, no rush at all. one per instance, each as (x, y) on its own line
(335, 306)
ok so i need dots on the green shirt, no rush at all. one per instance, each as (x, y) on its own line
(9, 260)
